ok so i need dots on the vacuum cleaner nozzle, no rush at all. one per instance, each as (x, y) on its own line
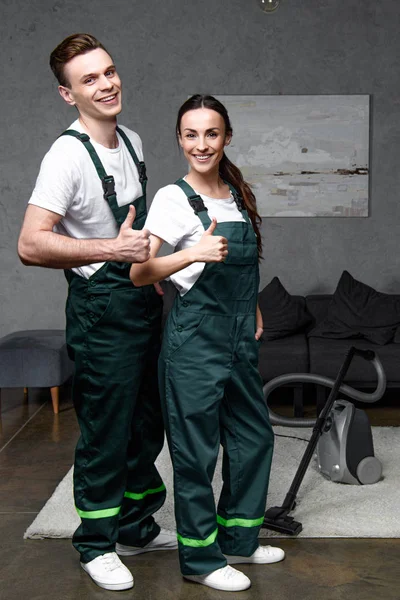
(277, 519)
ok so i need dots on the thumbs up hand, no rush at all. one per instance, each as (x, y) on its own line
(132, 246)
(212, 227)
(130, 217)
(211, 248)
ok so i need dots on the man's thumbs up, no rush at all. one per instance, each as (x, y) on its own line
(132, 246)
(130, 217)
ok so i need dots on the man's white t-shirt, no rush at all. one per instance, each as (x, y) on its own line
(172, 219)
(68, 184)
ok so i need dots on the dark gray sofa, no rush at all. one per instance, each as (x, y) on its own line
(326, 355)
(299, 353)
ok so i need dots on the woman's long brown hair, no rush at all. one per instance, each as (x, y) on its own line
(227, 170)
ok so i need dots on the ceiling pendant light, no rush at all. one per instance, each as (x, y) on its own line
(268, 6)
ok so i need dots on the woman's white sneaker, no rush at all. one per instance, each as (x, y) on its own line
(226, 579)
(264, 555)
(109, 572)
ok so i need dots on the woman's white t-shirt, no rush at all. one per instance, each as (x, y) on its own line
(172, 219)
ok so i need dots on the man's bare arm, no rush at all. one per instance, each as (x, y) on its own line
(39, 245)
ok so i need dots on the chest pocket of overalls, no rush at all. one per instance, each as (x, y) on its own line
(234, 279)
(120, 212)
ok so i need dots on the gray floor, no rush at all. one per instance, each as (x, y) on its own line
(36, 451)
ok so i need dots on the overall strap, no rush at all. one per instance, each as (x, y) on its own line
(239, 202)
(107, 181)
(196, 202)
(140, 165)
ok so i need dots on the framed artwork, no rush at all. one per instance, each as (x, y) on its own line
(304, 156)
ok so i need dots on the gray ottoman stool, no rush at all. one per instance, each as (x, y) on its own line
(36, 358)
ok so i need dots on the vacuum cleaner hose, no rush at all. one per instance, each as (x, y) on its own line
(327, 382)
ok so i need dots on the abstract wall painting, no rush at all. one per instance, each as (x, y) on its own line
(305, 156)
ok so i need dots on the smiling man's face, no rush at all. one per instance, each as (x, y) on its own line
(94, 85)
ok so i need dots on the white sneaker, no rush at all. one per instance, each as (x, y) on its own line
(166, 540)
(262, 556)
(226, 579)
(109, 572)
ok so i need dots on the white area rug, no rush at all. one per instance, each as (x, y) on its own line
(324, 508)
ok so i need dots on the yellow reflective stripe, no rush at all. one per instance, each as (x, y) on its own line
(98, 514)
(198, 543)
(134, 496)
(240, 522)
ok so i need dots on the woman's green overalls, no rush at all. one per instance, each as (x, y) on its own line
(113, 334)
(211, 393)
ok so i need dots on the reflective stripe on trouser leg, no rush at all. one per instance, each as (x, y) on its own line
(192, 543)
(98, 514)
(141, 496)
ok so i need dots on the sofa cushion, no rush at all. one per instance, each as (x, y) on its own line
(282, 313)
(317, 306)
(358, 311)
(327, 357)
(285, 355)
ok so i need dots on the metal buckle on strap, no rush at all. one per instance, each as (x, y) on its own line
(196, 202)
(239, 201)
(142, 172)
(108, 186)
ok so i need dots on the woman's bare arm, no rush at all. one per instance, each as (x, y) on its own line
(210, 248)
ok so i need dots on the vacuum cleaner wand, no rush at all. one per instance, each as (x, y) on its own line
(277, 518)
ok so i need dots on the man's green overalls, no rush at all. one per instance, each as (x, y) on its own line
(211, 393)
(113, 334)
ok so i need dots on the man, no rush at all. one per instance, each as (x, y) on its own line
(85, 216)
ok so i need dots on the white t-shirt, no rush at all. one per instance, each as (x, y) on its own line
(68, 184)
(172, 219)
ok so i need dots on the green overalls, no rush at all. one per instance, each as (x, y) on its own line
(211, 393)
(113, 334)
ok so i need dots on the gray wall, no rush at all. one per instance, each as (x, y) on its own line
(168, 49)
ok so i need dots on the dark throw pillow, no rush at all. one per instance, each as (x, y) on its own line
(282, 313)
(358, 311)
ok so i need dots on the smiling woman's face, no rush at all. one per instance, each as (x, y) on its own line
(203, 138)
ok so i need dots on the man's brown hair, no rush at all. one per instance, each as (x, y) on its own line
(73, 45)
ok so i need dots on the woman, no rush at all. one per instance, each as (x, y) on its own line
(209, 381)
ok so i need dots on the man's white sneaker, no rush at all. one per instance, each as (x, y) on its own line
(226, 579)
(109, 572)
(166, 540)
(264, 555)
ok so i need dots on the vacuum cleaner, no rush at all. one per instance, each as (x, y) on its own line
(341, 436)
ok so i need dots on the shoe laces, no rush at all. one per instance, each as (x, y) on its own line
(228, 572)
(110, 561)
(266, 550)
